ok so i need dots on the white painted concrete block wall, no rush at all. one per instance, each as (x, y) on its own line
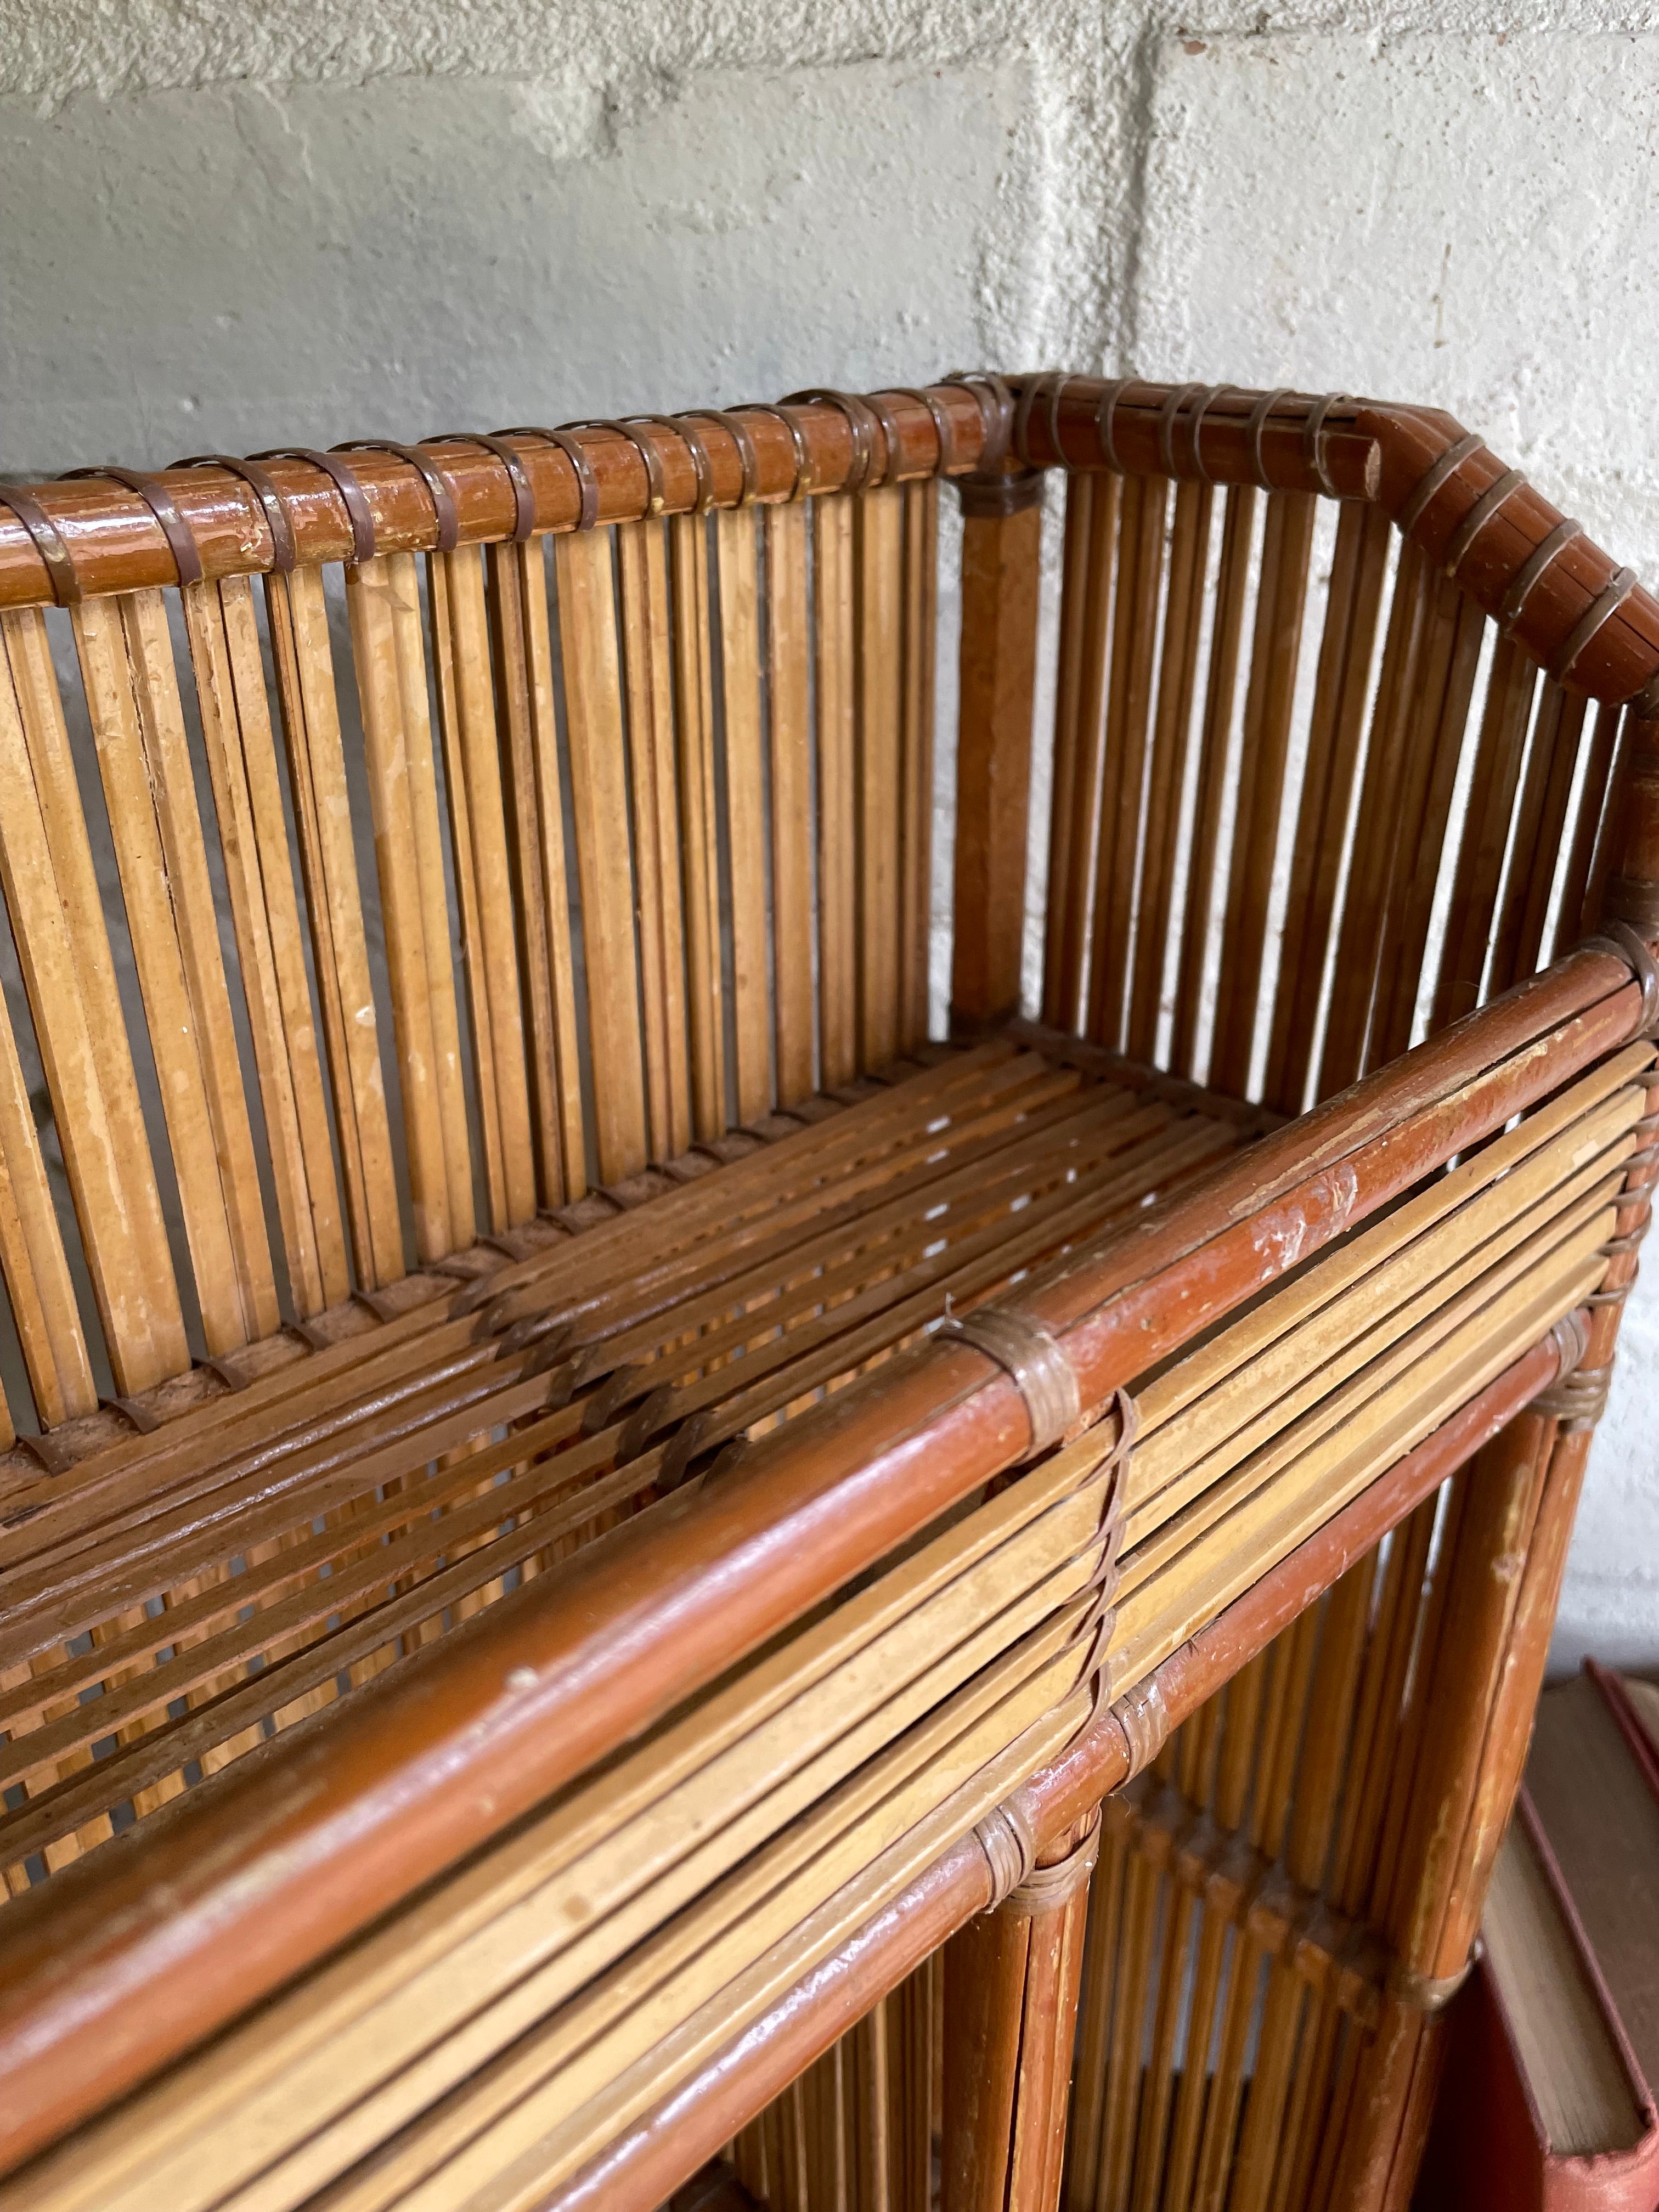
(226, 225)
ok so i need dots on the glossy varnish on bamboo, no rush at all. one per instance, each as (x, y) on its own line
(574, 981)
(627, 840)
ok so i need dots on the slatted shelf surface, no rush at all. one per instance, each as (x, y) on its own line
(178, 1601)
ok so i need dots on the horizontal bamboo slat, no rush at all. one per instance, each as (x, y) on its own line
(355, 1540)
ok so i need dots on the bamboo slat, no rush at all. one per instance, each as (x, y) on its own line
(878, 676)
(1092, 518)
(835, 666)
(738, 551)
(1287, 541)
(788, 689)
(647, 659)
(699, 825)
(322, 813)
(1580, 913)
(1394, 722)
(383, 597)
(138, 727)
(253, 839)
(1446, 686)
(69, 972)
(592, 700)
(523, 645)
(478, 847)
(1335, 728)
(1202, 902)
(1189, 545)
(1540, 815)
(1134, 638)
(38, 1281)
(920, 592)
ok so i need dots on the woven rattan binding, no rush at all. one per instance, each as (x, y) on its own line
(1042, 1373)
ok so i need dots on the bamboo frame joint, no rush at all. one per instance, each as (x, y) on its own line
(1005, 1836)
(1143, 1718)
(1424, 1993)
(1034, 1358)
(1618, 936)
(1046, 1888)
(993, 498)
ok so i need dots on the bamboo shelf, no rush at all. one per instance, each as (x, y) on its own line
(613, 1556)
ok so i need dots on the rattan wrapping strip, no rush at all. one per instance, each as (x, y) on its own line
(869, 1700)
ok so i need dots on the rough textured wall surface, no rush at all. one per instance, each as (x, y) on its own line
(235, 222)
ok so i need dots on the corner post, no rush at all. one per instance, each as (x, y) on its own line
(1503, 1575)
(1011, 1979)
(1001, 541)
(1632, 894)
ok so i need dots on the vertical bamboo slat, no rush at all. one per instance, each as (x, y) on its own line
(1287, 541)
(694, 703)
(1202, 886)
(1134, 640)
(921, 588)
(738, 552)
(138, 725)
(58, 922)
(240, 745)
(1346, 649)
(1577, 918)
(383, 596)
(592, 698)
(647, 659)
(521, 640)
(1511, 683)
(1540, 814)
(788, 647)
(1001, 554)
(38, 1281)
(878, 542)
(1189, 547)
(1365, 908)
(483, 884)
(316, 758)
(1447, 687)
(834, 664)
(1091, 517)
(1067, 850)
